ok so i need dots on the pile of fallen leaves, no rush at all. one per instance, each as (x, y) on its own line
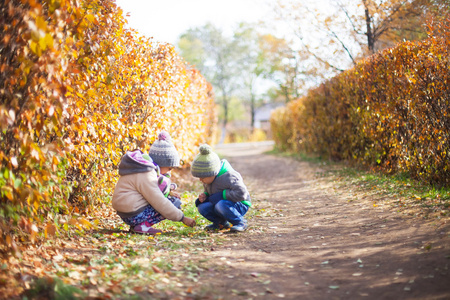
(106, 261)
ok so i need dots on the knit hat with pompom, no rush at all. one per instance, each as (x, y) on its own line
(163, 152)
(206, 163)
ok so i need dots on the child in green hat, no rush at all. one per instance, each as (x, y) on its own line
(225, 198)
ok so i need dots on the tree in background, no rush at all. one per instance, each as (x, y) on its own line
(290, 69)
(390, 22)
(338, 35)
(257, 64)
(217, 57)
(244, 65)
(406, 21)
(323, 40)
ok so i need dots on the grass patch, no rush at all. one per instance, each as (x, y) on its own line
(109, 262)
(53, 288)
(399, 184)
(298, 156)
(156, 267)
(401, 189)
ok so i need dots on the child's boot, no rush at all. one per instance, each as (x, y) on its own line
(241, 226)
(146, 228)
(218, 226)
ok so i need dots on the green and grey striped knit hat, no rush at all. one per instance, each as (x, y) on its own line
(163, 152)
(206, 163)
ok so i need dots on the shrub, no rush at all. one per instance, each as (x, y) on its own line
(391, 111)
(78, 90)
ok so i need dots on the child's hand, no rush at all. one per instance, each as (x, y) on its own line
(175, 194)
(189, 222)
(202, 197)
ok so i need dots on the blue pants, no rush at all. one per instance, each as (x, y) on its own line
(224, 210)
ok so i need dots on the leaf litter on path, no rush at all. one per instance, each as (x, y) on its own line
(109, 261)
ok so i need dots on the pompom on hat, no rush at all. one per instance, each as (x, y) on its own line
(163, 152)
(206, 163)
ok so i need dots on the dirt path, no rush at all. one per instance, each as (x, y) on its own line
(311, 240)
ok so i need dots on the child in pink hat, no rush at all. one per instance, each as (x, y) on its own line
(137, 196)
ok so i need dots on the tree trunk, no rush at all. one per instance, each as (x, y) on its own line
(225, 109)
(369, 33)
(252, 111)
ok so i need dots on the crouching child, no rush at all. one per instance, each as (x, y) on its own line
(138, 197)
(225, 199)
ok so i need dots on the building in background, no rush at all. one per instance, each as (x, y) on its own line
(262, 117)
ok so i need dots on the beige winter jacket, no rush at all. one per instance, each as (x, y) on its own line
(135, 191)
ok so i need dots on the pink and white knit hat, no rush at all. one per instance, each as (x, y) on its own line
(163, 152)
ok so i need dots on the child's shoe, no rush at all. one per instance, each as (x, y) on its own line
(146, 228)
(214, 226)
(242, 226)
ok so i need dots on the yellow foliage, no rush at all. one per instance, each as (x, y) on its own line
(79, 90)
(390, 111)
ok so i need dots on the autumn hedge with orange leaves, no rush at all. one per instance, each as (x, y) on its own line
(391, 112)
(78, 89)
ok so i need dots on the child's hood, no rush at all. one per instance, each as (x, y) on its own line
(226, 167)
(135, 162)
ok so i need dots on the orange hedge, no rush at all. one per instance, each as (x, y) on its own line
(390, 111)
(78, 89)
